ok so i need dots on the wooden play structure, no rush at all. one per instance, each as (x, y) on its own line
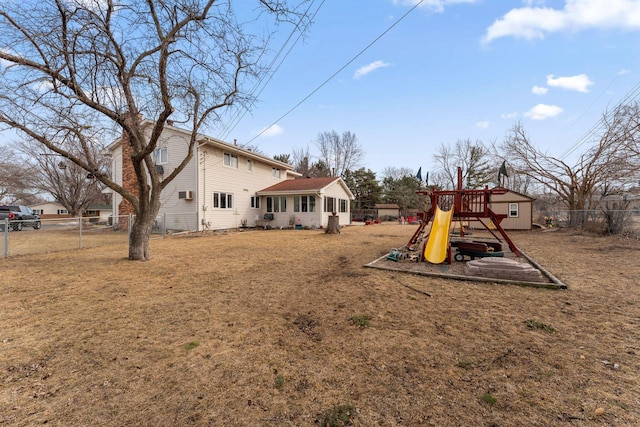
(448, 206)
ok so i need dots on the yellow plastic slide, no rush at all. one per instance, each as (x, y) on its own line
(435, 250)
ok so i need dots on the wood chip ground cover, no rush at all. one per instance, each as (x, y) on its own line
(256, 329)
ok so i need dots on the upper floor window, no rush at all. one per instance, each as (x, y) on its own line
(231, 160)
(161, 156)
(249, 165)
(275, 172)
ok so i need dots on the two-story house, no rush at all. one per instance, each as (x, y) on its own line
(225, 186)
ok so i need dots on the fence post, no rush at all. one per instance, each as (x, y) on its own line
(164, 225)
(80, 227)
(6, 237)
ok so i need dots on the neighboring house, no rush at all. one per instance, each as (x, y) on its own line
(307, 201)
(223, 186)
(51, 210)
(388, 211)
(48, 210)
(517, 207)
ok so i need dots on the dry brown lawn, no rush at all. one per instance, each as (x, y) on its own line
(286, 328)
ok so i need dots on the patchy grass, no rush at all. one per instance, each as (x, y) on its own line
(338, 416)
(488, 398)
(534, 324)
(361, 320)
(89, 338)
(191, 345)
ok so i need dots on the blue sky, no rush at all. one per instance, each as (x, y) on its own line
(449, 70)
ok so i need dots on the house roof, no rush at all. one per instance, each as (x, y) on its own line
(515, 192)
(387, 206)
(305, 185)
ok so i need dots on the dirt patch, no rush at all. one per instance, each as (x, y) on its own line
(286, 327)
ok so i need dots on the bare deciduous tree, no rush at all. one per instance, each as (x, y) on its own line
(606, 165)
(473, 158)
(69, 184)
(339, 152)
(76, 66)
(14, 178)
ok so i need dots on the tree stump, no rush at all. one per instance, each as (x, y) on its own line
(333, 227)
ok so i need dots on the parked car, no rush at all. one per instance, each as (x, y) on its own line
(19, 217)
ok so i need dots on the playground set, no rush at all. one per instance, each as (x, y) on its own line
(444, 208)
(448, 206)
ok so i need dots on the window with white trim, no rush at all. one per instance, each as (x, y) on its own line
(230, 160)
(275, 172)
(304, 203)
(513, 210)
(330, 204)
(255, 202)
(276, 204)
(249, 165)
(222, 200)
(344, 205)
(63, 212)
(161, 156)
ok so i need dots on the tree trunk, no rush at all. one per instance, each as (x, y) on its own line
(333, 227)
(139, 238)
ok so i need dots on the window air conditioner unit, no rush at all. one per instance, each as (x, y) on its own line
(186, 195)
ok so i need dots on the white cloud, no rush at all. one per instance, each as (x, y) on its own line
(579, 83)
(42, 86)
(623, 72)
(482, 125)
(539, 90)
(543, 111)
(576, 15)
(363, 71)
(512, 115)
(274, 130)
(433, 5)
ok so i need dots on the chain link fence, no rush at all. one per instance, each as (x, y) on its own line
(61, 234)
(613, 221)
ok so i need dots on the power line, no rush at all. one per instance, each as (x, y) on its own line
(338, 71)
(598, 126)
(231, 125)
